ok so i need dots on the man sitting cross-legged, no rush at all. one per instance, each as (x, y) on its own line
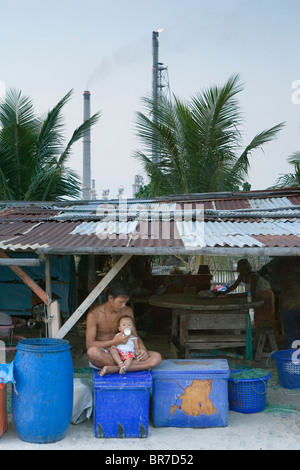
(102, 328)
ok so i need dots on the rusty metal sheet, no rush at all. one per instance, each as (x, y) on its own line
(258, 219)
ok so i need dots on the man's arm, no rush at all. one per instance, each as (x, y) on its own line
(233, 286)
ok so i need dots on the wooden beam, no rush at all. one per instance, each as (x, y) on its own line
(28, 281)
(19, 262)
(176, 250)
(92, 296)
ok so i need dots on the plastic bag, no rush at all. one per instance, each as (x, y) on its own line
(7, 373)
(83, 401)
(221, 288)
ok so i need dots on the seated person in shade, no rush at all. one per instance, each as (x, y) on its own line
(102, 333)
(123, 354)
(260, 289)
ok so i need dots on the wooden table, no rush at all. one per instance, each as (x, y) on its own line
(192, 311)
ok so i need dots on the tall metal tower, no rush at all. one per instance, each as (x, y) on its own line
(160, 83)
(86, 173)
(160, 78)
(138, 183)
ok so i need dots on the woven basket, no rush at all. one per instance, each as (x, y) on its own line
(288, 367)
(247, 395)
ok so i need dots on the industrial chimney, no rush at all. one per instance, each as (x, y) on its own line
(155, 35)
(86, 173)
(160, 84)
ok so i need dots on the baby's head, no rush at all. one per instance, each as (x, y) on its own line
(126, 322)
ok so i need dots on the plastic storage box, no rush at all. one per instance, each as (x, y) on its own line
(190, 393)
(121, 404)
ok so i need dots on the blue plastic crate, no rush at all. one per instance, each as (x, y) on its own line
(190, 393)
(121, 404)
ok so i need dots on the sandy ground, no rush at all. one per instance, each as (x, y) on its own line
(275, 428)
(264, 430)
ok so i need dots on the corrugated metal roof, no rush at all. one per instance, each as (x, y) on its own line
(270, 203)
(212, 223)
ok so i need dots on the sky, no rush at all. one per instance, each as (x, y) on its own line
(48, 48)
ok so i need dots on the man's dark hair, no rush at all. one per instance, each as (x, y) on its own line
(118, 288)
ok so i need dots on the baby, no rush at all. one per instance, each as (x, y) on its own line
(123, 354)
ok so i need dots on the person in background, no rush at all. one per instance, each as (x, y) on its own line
(260, 290)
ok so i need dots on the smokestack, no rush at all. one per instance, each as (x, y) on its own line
(86, 173)
(155, 64)
(155, 35)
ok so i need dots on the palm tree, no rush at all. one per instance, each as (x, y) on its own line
(199, 142)
(290, 180)
(33, 153)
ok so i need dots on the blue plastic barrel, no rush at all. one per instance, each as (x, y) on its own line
(42, 398)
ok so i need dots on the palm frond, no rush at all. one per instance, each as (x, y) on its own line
(60, 163)
(288, 180)
(256, 143)
(170, 133)
(294, 159)
(17, 157)
(50, 139)
(77, 135)
(32, 151)
(17, 109)
(61, 183)
(217, 114)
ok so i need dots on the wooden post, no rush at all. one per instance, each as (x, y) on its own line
(183, 329)
(54, 317)
(92, 296)
(49, 293)
(91, 277)
(53, 320)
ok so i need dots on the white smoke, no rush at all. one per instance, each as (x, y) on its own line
(123, 57)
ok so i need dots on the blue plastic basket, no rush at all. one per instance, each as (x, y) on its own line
(288, 367)
(247, 395)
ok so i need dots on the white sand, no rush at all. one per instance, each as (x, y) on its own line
(266, 431)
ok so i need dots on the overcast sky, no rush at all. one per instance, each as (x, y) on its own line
(50, 47)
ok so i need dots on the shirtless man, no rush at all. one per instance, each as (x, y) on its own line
(101, 334)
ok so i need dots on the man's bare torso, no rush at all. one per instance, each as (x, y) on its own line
(107, 322)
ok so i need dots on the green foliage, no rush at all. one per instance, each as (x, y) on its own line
(290, 180)
(33, 153)
(198, 143)
(144, 192)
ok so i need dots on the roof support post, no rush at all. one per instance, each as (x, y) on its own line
(92, 296)
(50, 309)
